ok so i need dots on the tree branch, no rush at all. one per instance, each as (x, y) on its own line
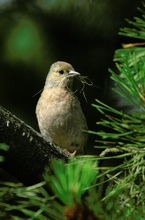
(28, 152)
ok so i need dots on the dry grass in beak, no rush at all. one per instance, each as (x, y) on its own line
(84, 81)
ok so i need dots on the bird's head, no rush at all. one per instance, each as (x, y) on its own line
(60, 74)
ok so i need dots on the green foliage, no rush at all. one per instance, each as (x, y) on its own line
(122, 135)
(70, 180)
(23, 41)
(3, 147)
(138, 30)
(125, 131)
(34, 202)
(130, 84)
(20, 202)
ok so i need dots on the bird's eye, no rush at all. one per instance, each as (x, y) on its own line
(61, 71)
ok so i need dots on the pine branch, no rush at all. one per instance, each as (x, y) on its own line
(28, 152)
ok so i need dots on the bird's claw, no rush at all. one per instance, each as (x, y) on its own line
(71, 154)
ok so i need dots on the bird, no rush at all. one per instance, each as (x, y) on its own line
(58, 110)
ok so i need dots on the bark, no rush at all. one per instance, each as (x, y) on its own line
(28, 152)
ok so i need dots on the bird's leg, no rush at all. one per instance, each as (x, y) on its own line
(71, 154)
(74, 153)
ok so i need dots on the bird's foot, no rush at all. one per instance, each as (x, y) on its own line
(71, 154)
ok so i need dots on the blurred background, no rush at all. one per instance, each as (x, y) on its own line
(36, 33)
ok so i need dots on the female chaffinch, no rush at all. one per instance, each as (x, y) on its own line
(59, 114)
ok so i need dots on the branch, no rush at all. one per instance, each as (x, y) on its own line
(28, 152)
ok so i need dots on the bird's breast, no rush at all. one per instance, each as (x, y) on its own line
(60, 97)
(60, 117)
(57, 105)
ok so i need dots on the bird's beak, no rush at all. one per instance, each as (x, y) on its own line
(73, 73)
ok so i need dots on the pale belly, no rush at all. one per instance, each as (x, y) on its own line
(63, 123)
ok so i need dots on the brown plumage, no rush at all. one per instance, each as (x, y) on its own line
(59, 114)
